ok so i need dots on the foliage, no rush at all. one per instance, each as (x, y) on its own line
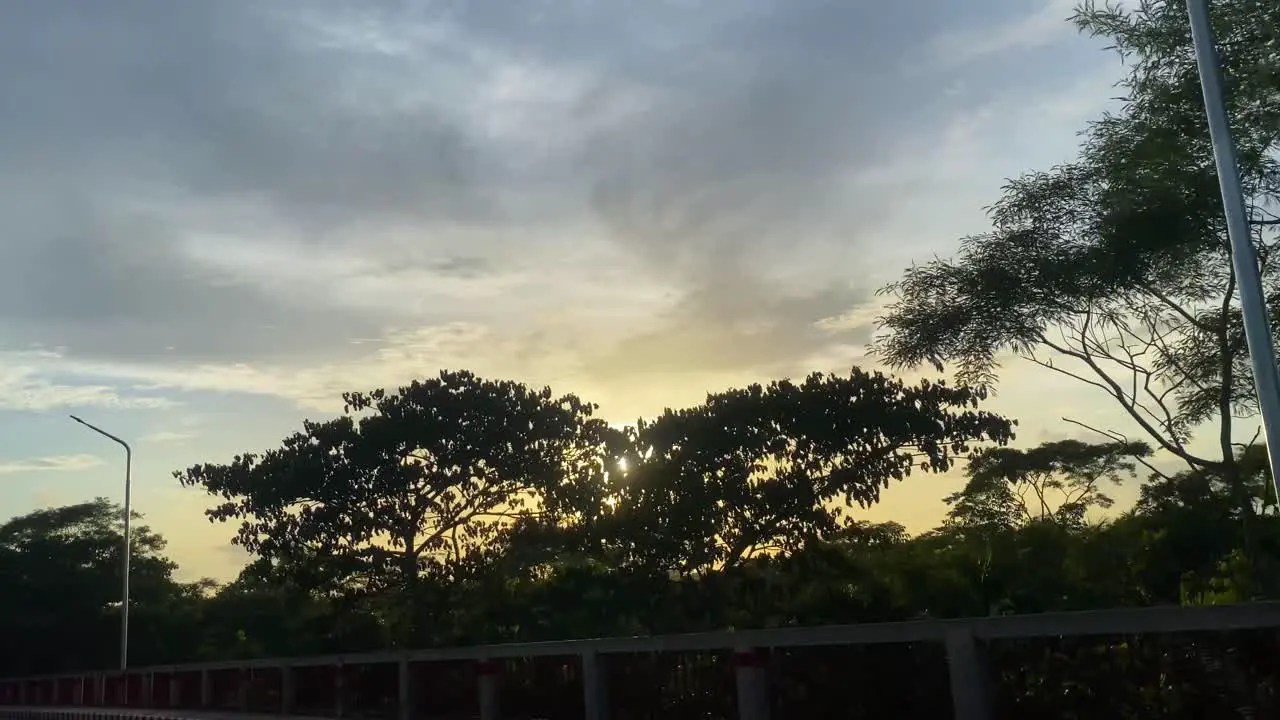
(1115, 268)
(418, 480)
(60, 574)
(576, 575)
(1056, 482)
(603, 571)
(766, 469)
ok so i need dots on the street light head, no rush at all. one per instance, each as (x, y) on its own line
(103, 433)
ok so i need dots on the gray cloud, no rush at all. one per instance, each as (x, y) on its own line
(114, 286)
(213, 102)
(223, 98)
(62, 463)
(741, 172)
(712, 141)
(741, 326)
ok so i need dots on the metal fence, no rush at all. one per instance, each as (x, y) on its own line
(1203, 663)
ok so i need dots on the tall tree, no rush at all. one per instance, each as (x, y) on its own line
(767, 468)
(1115, 269)
(60, 590)
(418, 480)
(1056, 482)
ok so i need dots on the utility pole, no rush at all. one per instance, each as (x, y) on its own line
(1244, 258)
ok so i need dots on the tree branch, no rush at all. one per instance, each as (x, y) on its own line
(1176, 307)
(1115, 390)
(1118, 437)
(1226, 368)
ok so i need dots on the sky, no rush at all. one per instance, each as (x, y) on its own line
(215, 217)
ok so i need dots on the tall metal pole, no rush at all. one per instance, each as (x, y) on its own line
(1253, 304)
(124, 589)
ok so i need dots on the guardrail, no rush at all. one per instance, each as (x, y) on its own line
(82, 713)
(751, 675)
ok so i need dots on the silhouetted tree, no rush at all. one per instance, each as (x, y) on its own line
(422, 480)
(769, 468)
(1056, 482)
(1115, 269)
(60, 588)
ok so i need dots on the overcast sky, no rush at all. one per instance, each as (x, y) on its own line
(216, 216)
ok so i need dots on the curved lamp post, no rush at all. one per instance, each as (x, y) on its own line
(124, 591)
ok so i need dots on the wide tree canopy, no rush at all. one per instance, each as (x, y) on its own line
(768, 468)
(1058, 482)
(416, 480)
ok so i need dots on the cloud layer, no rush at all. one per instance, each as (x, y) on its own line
(293, 198)
(61, 463)
(217, 216)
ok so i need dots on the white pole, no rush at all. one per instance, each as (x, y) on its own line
(489, 691)
(1253, 305)
(124, 590)
(594, 687)
(752, 680)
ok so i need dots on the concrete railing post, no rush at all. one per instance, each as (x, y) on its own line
(595, 686)
(490, 692)
(288, 690)
(244, 680)
(970, 679)
(753, 684)
(206, 690)
(175, 690)
(340, 691)
(405, 695)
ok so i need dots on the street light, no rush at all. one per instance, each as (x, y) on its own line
(124, 592)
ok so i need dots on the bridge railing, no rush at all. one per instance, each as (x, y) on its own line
(1202, 662)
